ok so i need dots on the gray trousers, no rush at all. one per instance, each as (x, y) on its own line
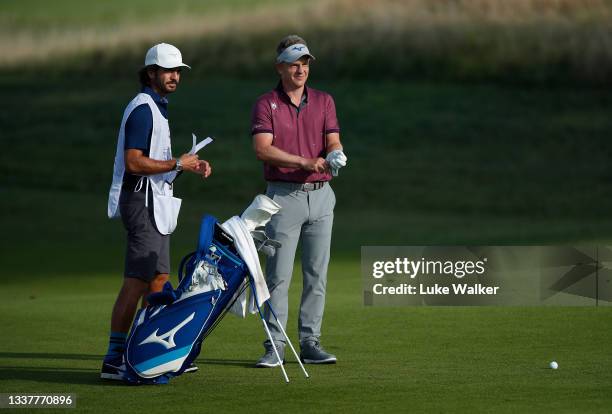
(306, 217)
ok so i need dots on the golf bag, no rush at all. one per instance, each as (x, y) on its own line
(167, 336)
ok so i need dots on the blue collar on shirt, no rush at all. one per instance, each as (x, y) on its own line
(162, 103)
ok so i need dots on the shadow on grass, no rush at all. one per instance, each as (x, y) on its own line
(228, 362)
(66, 375)
(62, 375)
(90, 357)
(43, 355)
(90, 376)
(238, 363)
(83, 376)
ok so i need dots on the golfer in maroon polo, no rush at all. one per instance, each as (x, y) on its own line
(296, 135)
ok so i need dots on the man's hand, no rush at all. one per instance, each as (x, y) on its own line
(318, 165)
(204, 168)
(336, 160)
(190, 163)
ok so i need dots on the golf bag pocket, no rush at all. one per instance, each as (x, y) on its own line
(166, 210)
(165, 339)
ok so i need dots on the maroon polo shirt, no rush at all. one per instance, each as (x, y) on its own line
(296, 130)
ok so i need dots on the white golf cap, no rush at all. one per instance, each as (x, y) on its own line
(293, 53)
(165, 56)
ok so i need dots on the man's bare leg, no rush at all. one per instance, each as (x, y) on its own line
(156, 285)
(125, 305)
(121, 320)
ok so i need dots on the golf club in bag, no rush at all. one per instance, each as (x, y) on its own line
(166, 336)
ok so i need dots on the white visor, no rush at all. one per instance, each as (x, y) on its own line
(293, 53)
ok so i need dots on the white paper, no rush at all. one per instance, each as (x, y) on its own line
(195, 148)
(198, 146)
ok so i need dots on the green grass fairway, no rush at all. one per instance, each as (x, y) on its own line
(473, 122)
(429, 164)
(393, 360)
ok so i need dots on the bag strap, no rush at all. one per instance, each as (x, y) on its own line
(207, 231)
(182, 265)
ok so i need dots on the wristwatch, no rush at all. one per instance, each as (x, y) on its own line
(178, 167)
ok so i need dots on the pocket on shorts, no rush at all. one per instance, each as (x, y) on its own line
(134, 215)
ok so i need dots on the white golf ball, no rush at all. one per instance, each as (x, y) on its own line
(554, 365)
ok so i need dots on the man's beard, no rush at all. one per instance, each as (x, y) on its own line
(163, 87)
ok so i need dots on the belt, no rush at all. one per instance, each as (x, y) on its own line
(299, 186)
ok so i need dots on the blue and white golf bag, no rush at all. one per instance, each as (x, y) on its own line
(166, 336)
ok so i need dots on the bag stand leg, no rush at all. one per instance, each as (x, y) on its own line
(297, 357)
(274, 347)
(270, 335)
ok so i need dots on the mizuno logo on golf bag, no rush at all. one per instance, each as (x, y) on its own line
(167, 339)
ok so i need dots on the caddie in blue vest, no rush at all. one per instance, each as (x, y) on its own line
(142, 194)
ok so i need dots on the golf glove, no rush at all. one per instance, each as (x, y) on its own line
(336, 160)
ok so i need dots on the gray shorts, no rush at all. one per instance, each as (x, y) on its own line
(148, 251)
